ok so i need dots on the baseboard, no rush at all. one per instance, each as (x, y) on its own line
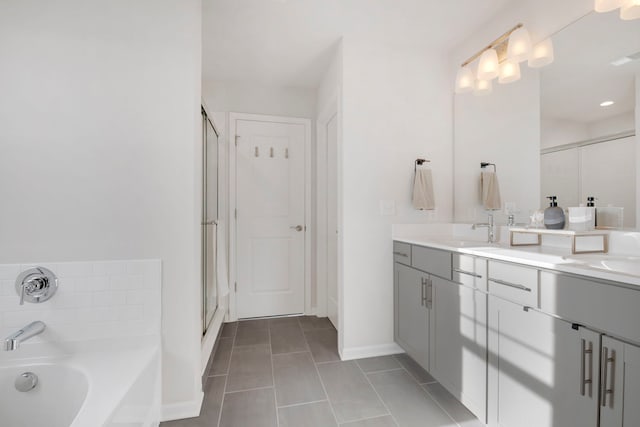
(180, 410)
(370, 351)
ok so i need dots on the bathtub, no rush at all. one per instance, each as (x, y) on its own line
(104, 384)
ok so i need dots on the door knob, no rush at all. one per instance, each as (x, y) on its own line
(297, 228)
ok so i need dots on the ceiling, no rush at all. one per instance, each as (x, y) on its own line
(291, 42)
(582, 76)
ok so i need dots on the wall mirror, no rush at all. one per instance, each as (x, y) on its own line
(588, 145)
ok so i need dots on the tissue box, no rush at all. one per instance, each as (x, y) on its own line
(582, 218)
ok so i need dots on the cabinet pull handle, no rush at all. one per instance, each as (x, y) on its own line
(402, 254)
(429, 293)
(608, 390)
(583, 380)
(422, 296)
(457, 270)
(511, 285)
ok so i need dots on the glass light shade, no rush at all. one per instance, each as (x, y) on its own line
(607, 5)
(630, 10)
(542, 54)
(488, 68)
(465, 81)
(519, 46)
(509, 72)
(483, 87)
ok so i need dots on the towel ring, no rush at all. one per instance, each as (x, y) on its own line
(419, 162)
(485, 164)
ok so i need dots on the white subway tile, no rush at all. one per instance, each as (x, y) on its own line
(105, 299)
(109, 268)
(9, 271)
(138, 297)
(92, 284)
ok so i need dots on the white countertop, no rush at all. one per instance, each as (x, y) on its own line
(610, 267)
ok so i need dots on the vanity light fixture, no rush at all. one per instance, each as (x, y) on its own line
(501, 58)
(607, 103)
(629, 9)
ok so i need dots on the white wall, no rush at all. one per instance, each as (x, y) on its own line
(518, 170)
(612, 125)
(259, 99)
(554, 132)
(99, 128)
(396, 108)
(637, 150)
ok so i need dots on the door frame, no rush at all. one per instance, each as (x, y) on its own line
(233, 118)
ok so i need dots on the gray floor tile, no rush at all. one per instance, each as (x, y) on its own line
(277, 321)
(220, 364)
(386, 421)
(350, 394)
(323, 344)
(416, 371)
(254, 408)
(253, 324)
(310, 415)
(457, 410)
(213, 395)
(409, 404)
(250, 367)
(251, 336)
(296, 379)
(287, 338)
(383, 363)
(229, 330)
(314, 322)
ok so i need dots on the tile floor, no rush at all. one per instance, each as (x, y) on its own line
(286, 372)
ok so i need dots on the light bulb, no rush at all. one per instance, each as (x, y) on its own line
(607, 5)
(483, 87)
(630, 10)
(488, 68)
(542, 54)
(519, 46)
(465, 81)
(509, 72)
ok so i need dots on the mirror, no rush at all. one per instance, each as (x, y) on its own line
(587, 149)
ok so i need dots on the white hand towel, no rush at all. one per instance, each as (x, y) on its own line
(423, 190)
(490, 191)
(221, 253)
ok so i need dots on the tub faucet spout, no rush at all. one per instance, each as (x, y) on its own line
(12, 342)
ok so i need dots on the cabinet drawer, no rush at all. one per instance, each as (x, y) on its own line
(469, 271)
(606, 307)
(514, 282)
(402, 253)
(432, 261)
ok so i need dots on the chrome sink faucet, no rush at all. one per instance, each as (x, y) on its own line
(490, 228)
(12, 342)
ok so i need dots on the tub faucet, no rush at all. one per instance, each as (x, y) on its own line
(490, 228)
(12, 342)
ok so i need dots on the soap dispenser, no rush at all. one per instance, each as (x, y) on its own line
(553, 215)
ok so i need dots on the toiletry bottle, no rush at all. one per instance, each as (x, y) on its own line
(553, 215)
(591, 203)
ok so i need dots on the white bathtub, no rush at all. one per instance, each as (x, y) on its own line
(82, 385)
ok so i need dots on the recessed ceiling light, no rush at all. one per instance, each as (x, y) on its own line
(607, 103)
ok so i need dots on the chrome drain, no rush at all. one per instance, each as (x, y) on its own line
(26, 381)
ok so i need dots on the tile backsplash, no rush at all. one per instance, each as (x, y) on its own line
(95, 300)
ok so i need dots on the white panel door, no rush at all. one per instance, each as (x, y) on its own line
(332, 220)
(270, 185)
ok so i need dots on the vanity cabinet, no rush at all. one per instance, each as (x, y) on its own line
(543, 371)
(458, 341)
(412, 300)
(620, 388)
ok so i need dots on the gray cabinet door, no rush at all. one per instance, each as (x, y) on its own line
(412, 313)
(459, 343)
(535, 369)
(620, 388)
